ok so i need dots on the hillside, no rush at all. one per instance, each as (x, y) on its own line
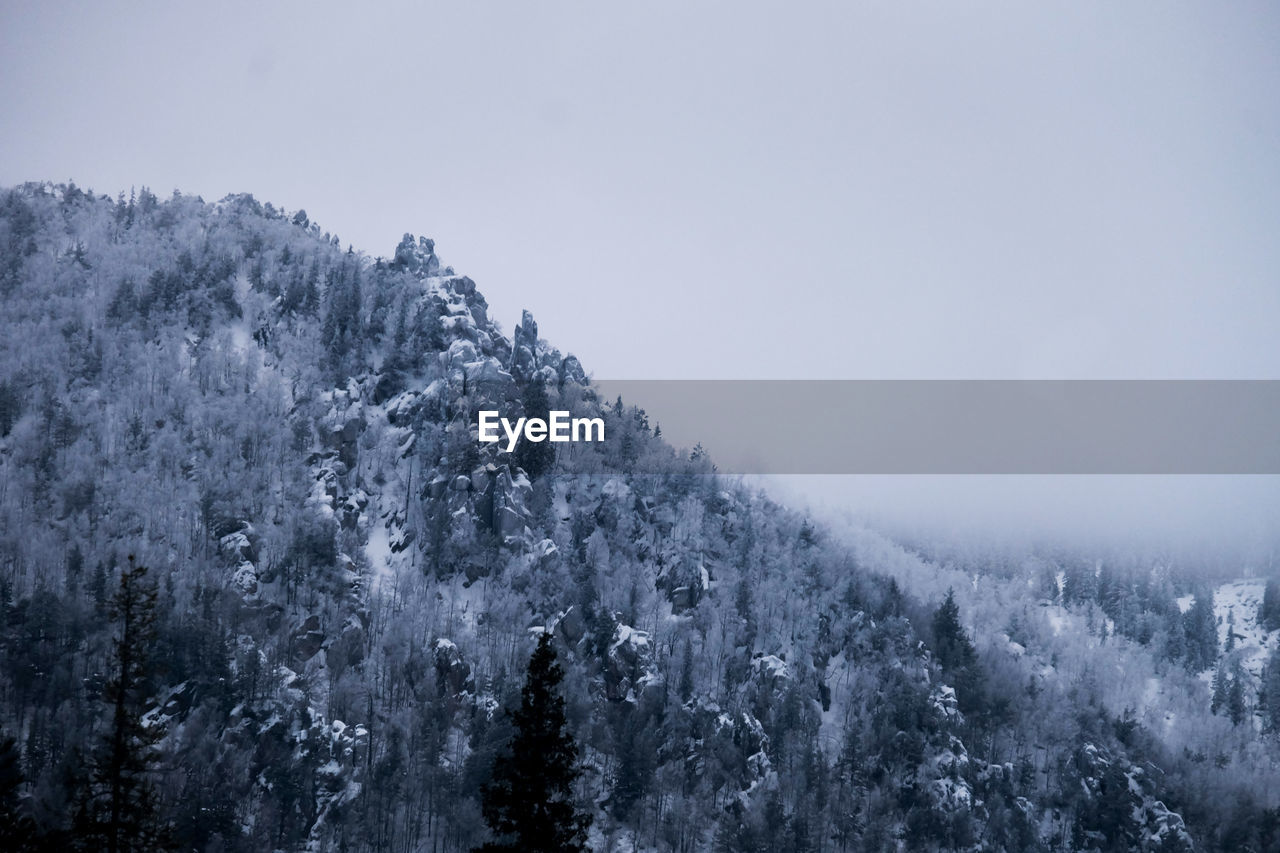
(349, 585)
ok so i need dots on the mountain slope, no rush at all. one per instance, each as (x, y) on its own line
(350, 583)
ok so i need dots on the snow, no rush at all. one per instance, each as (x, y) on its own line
(772, 666)
(1058, 619)
(378, 550)
(240, 337)
(1241, 599)
(616, 489)
(628, 635)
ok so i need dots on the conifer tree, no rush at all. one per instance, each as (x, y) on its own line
(1220, 687)
(1269, 611)
(1236, 707)
(1201, 632)
(528, 803)
(536, 458)
(16, 827)
(959, 660)
(122, 817)
(1269, 693)
(951, 645)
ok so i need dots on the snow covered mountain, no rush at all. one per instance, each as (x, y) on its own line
(348, 586)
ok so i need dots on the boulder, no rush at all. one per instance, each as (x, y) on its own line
(571, 371)
(241, 545)
(508, 522)
(571, 627)
(487, 375)
(453, 672)
(682, 599)
(628, 665)
(308, 639)
(402, 408)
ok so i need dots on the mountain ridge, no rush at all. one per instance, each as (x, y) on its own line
(349, 581)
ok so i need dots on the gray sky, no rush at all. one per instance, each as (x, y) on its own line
(745, 190)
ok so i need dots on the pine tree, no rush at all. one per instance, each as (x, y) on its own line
(1269, 612)
(536, 458)
(122, 816)
(1236, 707)
(1269, 693)
(1201, 632)
(959, 660)
(528, 803)
(951, 645)
(686, 685)
(16, 826)
(1220, 687)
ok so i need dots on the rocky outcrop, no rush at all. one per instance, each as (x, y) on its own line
(571, 371)
(504, 505)
(307, 640)
(629, 667)
(453, 673)
(571, 627)
(524, 347)
(418, 258)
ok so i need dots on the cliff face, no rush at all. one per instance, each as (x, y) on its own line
(349, 582)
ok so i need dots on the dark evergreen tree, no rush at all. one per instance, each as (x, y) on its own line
(536, 458)
(1269, 611)
(1221, 684)
(951, 646)
(528, 802)
(954, 651)
(1202, 632)
(16, 827)
(10, 407)
(1114, 808)
(1236, 708)
(122, 816)
(1269, 693)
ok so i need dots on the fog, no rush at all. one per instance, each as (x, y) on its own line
(1226, 524)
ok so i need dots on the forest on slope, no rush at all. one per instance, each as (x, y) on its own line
(343, 589)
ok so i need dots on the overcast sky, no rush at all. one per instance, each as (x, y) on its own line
(728, 190)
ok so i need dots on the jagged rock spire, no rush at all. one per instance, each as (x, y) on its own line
(524, 347)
